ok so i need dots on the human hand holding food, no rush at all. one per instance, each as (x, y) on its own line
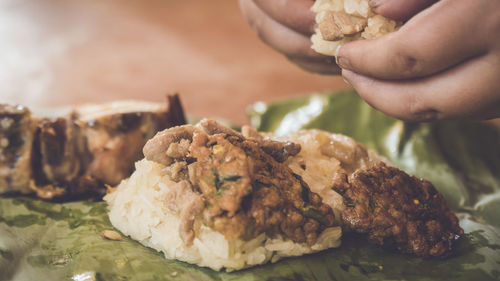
(287, 26)
(442, 63)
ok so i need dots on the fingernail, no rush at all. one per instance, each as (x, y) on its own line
(346, 81)
(337, 50)
(343, 63)
(344, 74)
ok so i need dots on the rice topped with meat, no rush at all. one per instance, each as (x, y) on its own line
(214, 197)
(342, 21)
(211, 196)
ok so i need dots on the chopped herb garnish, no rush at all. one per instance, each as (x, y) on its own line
(220, 191)
(259, 184)
(230, 178)
(190, 160)
(349, 203)
(305, 188)
(219, 181)
(311, 212)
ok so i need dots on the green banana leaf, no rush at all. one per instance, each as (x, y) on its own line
(62, 241)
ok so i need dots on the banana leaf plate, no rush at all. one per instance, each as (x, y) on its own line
(62, 241)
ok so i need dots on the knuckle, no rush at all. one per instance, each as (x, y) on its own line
(407, 65)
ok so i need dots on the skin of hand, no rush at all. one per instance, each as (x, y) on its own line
(444, 62)
(287, 26)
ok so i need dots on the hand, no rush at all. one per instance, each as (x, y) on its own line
(443, 63)
(287, 25)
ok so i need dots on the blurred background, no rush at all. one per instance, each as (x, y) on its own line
(61, 52)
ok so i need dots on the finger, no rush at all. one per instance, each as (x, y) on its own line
(399, 10)
(326, 67)
(458, 92)
(278, 36)
(295, 14)
(430, 42)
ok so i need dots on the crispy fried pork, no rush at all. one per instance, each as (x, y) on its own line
(397, 210)
(81, 152)
(389, 206)
(16, 139)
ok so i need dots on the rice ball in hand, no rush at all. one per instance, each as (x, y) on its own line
(342, 21)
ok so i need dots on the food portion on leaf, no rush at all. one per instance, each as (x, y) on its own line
(393, 208)
(208, 195)
(342, 21)
(80, 152)
(211, 196)
(398, 210)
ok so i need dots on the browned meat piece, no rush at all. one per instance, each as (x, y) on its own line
(91, 147)
(351, 154)
(249, 132)
(156, 149)
(177, 171)
(279, 150)
(16, 138)
(330, 31)
(399, 210)
(212, 127)
(115, 141)
(349, 25)
(335, 25)
(246, 190)
(221, 171)
(181, 198)
(59, 142)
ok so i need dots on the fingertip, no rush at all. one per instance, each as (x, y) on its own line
(325, 67)
(295, 14)
(364, 86)
(350, 55)
(376, 5)
(347, 75)
(360, 83)
(353, 78)
(341, 60)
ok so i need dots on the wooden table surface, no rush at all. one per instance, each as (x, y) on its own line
(60, 52)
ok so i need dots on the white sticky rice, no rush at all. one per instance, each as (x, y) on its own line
(138, 209)
(377, 24)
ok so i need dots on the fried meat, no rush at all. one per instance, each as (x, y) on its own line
(246, 190)
(78, 153)
(397, 210)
